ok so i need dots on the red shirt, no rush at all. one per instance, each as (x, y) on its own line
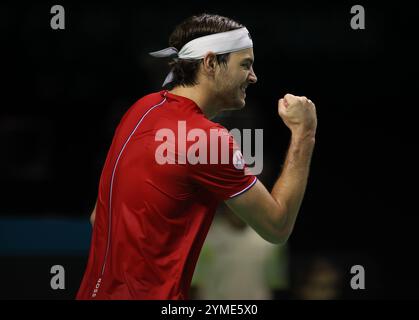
(152, 219)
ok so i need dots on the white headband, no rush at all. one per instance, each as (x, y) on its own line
(196, 49)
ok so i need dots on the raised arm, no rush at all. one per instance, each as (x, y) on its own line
(273, 214)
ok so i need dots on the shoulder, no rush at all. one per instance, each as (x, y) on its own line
(211, 127)
(151, 99)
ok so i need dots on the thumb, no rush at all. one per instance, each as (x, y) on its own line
(282, 106)
(290, 99)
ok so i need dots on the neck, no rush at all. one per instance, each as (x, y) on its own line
(200, 96)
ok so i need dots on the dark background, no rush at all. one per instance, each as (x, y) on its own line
(63, 93)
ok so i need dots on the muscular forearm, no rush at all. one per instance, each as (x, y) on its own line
(273, 214)
(289, 189)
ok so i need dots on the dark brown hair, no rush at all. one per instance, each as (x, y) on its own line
(185, 71)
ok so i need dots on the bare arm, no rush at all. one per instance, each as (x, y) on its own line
(273, 215)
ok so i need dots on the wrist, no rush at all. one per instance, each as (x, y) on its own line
(304, 135)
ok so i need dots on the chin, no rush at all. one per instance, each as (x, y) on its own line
(241, 103)
(237, 105)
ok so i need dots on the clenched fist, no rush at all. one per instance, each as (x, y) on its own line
(298, 114)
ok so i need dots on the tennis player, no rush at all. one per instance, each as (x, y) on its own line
(151, 217)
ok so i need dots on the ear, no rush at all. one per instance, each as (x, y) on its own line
(209, 63)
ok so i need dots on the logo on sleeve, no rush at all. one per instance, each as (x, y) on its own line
(238, 161)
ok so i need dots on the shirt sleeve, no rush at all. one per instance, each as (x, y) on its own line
(225, 173)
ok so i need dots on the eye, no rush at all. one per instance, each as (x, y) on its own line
(246, 65)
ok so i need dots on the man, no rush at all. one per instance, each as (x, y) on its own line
(151, 216)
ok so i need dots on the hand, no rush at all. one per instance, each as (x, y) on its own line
(298, 114)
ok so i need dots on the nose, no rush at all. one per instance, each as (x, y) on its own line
(252, 76)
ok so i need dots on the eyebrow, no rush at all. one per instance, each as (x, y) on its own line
(248, 60)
